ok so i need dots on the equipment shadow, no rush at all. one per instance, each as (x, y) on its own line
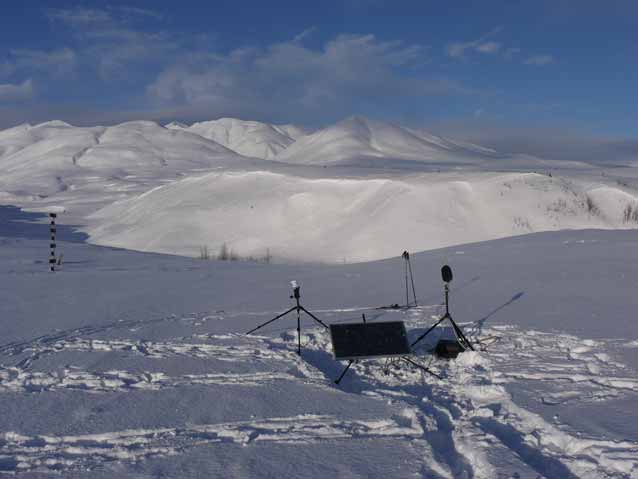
(481, 322)
(15, 223)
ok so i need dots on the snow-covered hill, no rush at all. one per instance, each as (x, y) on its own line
(338, 220)
(357, 140)
(355, 191)
(59, 163)
(248, 138)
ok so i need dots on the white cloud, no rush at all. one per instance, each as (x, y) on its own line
(20, 92)
(481, 45)
(90, 18)
(111, 44)
(457, 50)
(488, 47)
(306, 33)
(485, 46)
(56, 62)
(139, 12)
(79, 16)
(511, 52)
(539, 60)
(348, 70)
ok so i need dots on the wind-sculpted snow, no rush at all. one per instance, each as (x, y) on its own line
(95, 450)
(466, 424)
(352, 220)
(14, 380)
(473, 406)
(123, 364)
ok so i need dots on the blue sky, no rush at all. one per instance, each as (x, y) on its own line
(476, 68)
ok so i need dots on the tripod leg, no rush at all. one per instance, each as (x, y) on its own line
(386, 367)
(412, 281)
(273, 319)
(428, 331)
(338, 380)
(407, 300)
(298, 332)
(313, 317)
(459, 333)
(423, 368)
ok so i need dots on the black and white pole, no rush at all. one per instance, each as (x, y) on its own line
(53, 230)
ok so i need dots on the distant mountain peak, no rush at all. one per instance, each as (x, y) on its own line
(360, 140)
(54, 124)
(246, 137)
(176, 125)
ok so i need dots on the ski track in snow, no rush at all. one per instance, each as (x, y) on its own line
(459, 424)
(571, 368)
(27, 453)
(245, 351)
(470, 416)
(15, 380)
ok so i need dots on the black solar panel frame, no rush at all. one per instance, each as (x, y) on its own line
(382, 339)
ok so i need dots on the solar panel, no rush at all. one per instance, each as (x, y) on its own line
(369, 340)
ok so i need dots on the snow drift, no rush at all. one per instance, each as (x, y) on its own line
(338, 220)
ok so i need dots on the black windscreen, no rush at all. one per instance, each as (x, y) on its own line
(365, 340)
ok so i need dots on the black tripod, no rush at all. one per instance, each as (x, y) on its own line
(408, 269)
(299, 308)
(404, 358)
(446, 272)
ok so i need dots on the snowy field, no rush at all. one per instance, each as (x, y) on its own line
(132, 360)
(127, 364)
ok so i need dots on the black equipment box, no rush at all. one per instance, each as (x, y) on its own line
(448, 348)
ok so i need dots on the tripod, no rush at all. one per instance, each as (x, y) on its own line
(463, 341)
(404, 358)
(408, 268)
(299, 308)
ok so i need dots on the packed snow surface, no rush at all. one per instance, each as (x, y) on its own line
(125, 364)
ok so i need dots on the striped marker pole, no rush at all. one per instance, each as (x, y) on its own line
(53, 230)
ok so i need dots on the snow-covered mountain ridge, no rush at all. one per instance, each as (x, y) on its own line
(356, 190)
(249, 138)
(345, 142)
(357, 138)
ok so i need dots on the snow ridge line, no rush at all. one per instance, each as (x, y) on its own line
(22, 453)
(17, 347)
(248, 351)
(17, 381)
